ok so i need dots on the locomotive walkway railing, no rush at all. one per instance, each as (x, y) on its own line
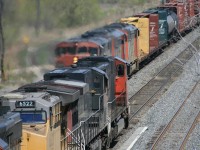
(84, 133)
(117, 105)
(89, 128)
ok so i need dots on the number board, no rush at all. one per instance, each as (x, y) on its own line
(25, 104)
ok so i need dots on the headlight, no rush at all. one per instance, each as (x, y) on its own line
(75, 59)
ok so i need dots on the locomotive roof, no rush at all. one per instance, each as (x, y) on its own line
(41, 97)
(68, 91)
(95, 61)
(125, 26)
(103, 32)
(8, 123)
(8, 120)
(63, 73)
(100, 41)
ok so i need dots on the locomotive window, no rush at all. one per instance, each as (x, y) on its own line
(71, 50)
(63, 50)
(120, 70)
(57, 52)
(29, 117)
(93, 51)
(75, 114)
(82, 50)
(96, 82)
(56, 115)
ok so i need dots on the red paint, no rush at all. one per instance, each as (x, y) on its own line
(121, 86)
(67, 59)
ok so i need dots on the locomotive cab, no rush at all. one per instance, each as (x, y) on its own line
(68, 53)
(40, 114)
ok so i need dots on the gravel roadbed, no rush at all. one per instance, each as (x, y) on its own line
(163, 110)
(194, 139)
(182, 123)
(145, 74)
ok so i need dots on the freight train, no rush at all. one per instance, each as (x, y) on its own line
(78, 107)
(135, 38)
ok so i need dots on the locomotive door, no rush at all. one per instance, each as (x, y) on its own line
(120, 82)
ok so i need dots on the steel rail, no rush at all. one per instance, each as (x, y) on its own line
(161, 86)
(183, 144)
(173, 118)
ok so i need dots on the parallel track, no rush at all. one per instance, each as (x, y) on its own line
(151, 92)
(184, 142)
(166, 128)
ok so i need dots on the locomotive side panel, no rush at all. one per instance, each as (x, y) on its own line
(154, 36)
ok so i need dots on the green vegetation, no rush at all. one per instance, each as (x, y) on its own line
(62, 13)
(23, 18)
(22, 78)
(22, 55)
(133, 2)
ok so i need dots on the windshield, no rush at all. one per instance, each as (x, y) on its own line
(93, 51)
(82, 50)
(33, 117)
(65, 50)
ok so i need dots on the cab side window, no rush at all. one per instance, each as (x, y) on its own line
(120, 70)
(82, 50)
(55, 115)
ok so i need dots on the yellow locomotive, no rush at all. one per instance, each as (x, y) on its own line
(39, 113)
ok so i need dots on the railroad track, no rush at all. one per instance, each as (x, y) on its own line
(152, 91)
(163, 132)
(184, 142)
(156, 87)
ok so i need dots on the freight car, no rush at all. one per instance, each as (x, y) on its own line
(10, 129)
(75, 107)
(151, 31)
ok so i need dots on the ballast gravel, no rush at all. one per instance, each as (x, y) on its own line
(162, 111)
(145, 74)
(194, 140)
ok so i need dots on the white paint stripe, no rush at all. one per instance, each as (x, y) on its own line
(132, 140)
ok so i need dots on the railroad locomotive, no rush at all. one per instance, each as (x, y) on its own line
(135, 38)
(78, 107)
(10, 129)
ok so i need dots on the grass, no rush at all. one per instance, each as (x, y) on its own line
(22, 77)
(22, 55)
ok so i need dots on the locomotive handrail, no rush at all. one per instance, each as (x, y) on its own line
(116, 97)
(86, 119)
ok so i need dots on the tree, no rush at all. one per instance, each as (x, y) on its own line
(2, 50)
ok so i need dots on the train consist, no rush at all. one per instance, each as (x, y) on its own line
(80, 106)
(134, 38)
